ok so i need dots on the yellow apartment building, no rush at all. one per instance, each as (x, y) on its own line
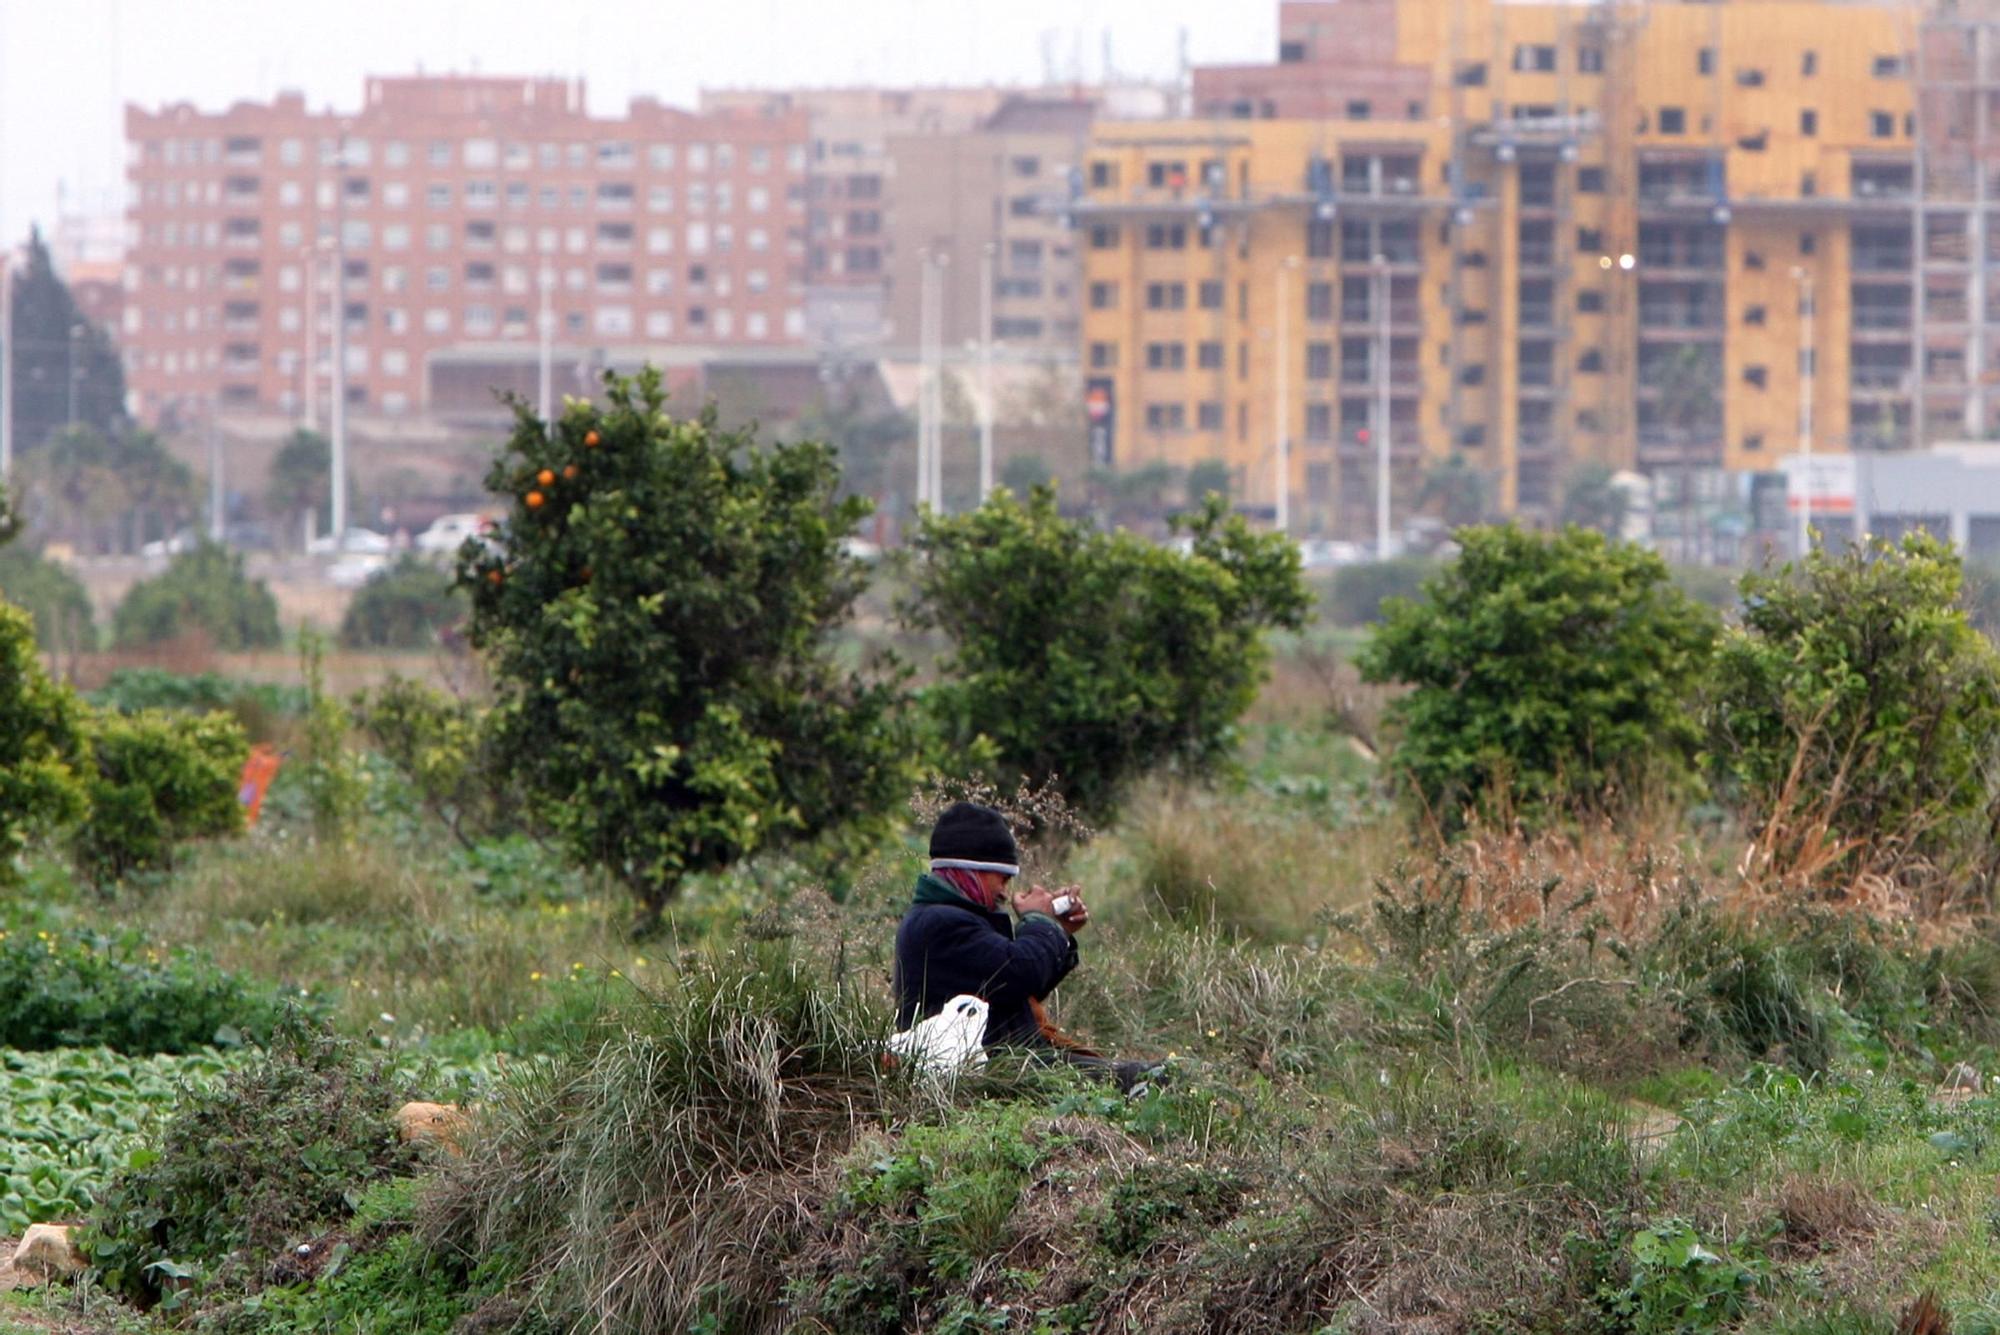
(1534, 234)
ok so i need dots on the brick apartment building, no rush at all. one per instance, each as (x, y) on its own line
(447, 200)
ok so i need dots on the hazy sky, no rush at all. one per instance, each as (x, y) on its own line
(68, 66)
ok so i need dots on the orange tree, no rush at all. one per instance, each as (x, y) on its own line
(657, 606)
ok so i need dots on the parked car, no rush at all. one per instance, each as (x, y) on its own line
(1325, 553)
(448, 533)
(354, 540)
(355, 569)
(184, 540)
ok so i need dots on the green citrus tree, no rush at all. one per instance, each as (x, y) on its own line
(1081, 658)
(1547, 672)
(1858, 694)
(657, 607)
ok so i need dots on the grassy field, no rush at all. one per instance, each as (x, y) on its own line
(1593, 1081)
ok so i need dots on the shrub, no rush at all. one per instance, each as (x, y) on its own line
(1084, 659)
(244, 1168)
(446, 750)
(39, 789)
(89, 989)
(265, 709)
(402, 607)
(1858, 709)
(203, 591)
(154, 780)
(1549, 671)
(657, 609)
(64, 621)
(1355, 594)
(652, 1176)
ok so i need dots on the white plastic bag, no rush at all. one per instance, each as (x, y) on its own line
(949, 1042)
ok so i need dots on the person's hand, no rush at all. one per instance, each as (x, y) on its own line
(1035, 899)
(1079, 914)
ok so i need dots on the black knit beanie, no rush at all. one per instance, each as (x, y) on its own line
(976, 838)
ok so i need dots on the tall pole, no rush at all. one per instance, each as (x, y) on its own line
(75, 332)
(937, 384)
(1807, 367)
(1381, 407)
(924, 278)
(1281, 485)
(548, 327)
(986, 372)
(313, 295)
(339, 424)
(215, 494)
(6, 364)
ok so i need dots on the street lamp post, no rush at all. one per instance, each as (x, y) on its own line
(1382, 479)
(548, 326)
(986, 371)
(75, 333)
(338, 433)
(1808, 365)
(6, 364)
(1282, 483)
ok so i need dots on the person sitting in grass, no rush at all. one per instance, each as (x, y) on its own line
(956, 939)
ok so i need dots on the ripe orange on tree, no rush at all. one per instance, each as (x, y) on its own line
(533, 500)
(545, 477)
(590, 439)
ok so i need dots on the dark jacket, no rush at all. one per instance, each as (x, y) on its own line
(947, 945)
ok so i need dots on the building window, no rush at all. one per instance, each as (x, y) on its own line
(1166, 175)
(1291, 53)
(1808, 243)
(1704, 60)
(1590, 60)
(1159, 236)
(1103, 356)
(1211, 294)
(1591, 362)
(1166, 356)
(1589, 239)
(1103, 296)
(1881, 124)
(1535, 59)
(1319, 421)
(1754, 316)
(1808, 63)
(1104, 236)
(1590, 180)
(1756, 377)
(1358, 110)
(1808, 122)
(1319, 302)
(1319, 361)
(1166, 417)
(1673, 120)
(1887, 67)
(1208, 416)
(1166, 296)
(1103, 174)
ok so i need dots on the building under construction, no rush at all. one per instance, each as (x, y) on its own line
(1661, 235)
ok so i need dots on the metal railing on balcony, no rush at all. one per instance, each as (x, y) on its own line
(1539, 254)
(1880, 259)
(1882, 317)
(1662, 256)
(1538, 313)
(1877, 377)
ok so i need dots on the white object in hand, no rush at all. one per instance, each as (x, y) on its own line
(1064, 905)
(951, 1041)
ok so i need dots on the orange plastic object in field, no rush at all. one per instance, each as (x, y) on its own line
(258, 771)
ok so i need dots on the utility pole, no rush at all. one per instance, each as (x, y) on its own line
(924, 277)
(1381, 407)
(986, 371)
(339, 424)
(548, 326)
(1808, 358)
(75, 333)
(1282, 484)
(313, 294)
(6, 364)
(937, 384)
(215, 491)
